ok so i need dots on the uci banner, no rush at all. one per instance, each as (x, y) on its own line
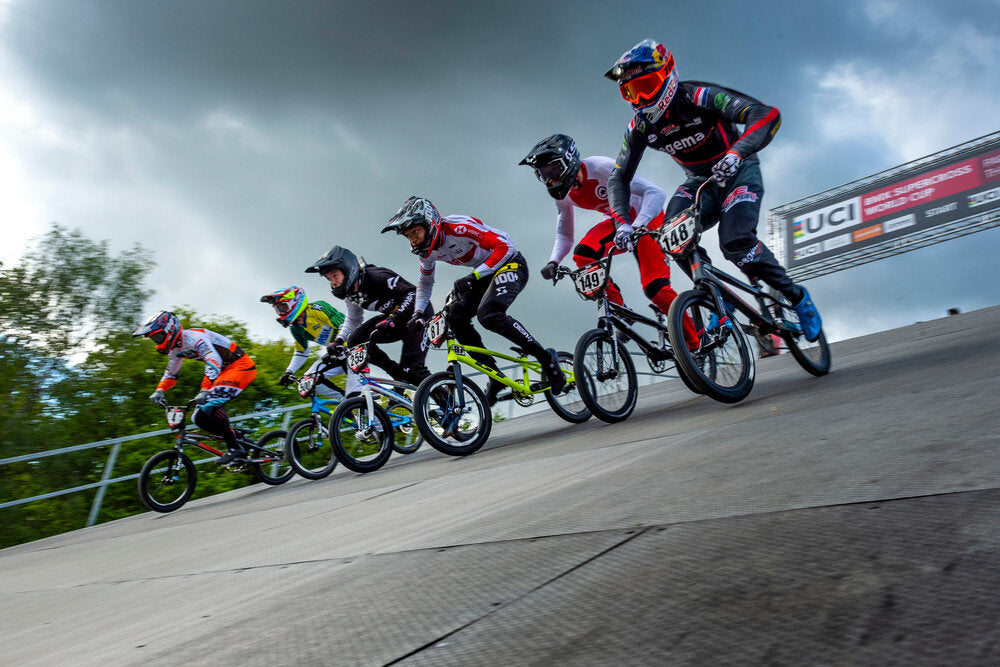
(961, 185)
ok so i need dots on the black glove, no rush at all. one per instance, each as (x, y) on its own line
(418, 321)
(286, 378)
(157, 398)
(465, 283)
(383, 329)
(335, 352)
(200, 397)
(549, 270)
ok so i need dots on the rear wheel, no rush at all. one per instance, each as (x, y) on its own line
(723, 366)
(406, 435)
(815, 356)
(309, 449)
(362, 438)
(605, 376)
(449, 427)
(167, 481)
(568, 405)
(277, 470)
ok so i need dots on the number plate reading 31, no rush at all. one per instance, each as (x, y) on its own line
(590, 281)
(175, 416)
(676, 238)
(436, 329)
(357, 357)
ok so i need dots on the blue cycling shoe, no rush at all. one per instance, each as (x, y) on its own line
(809, 317)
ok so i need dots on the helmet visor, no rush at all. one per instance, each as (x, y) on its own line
(643, 89)
(158, 336)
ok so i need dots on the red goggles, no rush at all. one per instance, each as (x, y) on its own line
(643, 89)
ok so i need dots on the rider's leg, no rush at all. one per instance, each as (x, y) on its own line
(326, 386)
(504, 286)
(375, 353)
(738, 239)
(654, 273)
(460, 315)
(212, 416)
(595, 245)
(412, 358)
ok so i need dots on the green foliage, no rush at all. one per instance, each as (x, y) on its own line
(70, 373)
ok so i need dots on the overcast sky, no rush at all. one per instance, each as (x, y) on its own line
(238, 140)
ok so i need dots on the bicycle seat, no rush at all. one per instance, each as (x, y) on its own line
(518, 351)
(240, 432)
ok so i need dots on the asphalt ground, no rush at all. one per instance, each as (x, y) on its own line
(848, 519)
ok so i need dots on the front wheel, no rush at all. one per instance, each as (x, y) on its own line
(167, 481)
(275, 468)
(605, 376)
(722, 367)
(362, 438)
(814, 357)
(452, 428)
(309, 449)
(568, 405)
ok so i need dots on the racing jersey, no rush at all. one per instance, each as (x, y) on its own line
(463, 241)
(323, 322)
(646, 201)
(214, 350)
(697, 129)
(381, 290)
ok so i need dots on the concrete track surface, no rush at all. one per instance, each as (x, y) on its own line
(849, 519)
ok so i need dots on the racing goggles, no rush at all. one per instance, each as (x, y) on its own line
(282, 307)
(158, 336)
(552, 173)
(643, 89)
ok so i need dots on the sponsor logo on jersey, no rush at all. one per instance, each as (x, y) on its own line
(721, 100)
(694, 123)
(683, 192)
(683, 144)
(602, 192)
(701, 96)
(460, 229)
(393, 281)
(751, 256)
(738, 195)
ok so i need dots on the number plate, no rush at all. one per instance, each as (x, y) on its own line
(175, 417)
(306, 385)
(675, 238)
(590, 280)
(437, 329)
(357, 358)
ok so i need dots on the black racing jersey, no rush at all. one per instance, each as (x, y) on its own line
(381, 290)
(698, 128)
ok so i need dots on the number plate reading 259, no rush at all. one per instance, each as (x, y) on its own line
(357, 358)
(590, 281)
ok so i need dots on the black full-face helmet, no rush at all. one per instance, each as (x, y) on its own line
(556, 162)
(344, 260)
(417, 211)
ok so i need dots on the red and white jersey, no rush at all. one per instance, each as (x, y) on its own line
(463, 241)
(646, 203)
(214, 350)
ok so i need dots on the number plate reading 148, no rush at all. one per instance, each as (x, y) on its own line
(357, 357)
(436, 329)
(676, 237)
(591, 280)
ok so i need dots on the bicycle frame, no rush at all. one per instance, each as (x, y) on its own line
(371, 386)
(184, 438)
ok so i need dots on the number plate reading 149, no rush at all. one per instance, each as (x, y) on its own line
(590, 280)
(676, 237)
(357, 358)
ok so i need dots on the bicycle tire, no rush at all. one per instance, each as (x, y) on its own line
(569, 405)
(360, 449)
(279, 470)
(613, 398)
(151, 484)
(406, 436)
(475, 420)
(725, 371)
(814, 357)
(309, 450)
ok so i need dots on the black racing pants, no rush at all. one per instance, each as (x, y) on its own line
(411, 367)
(736, 208)
(488, 299)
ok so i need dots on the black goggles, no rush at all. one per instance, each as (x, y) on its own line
(158, 336)
(551, 173)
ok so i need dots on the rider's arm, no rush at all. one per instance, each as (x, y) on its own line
(355, 314)
(213, 361)
(564, 230)
(301, 353)
(619, 192)
(425, 284)
(760, 120)
(169, 378)
(498, 243)
(653, 200)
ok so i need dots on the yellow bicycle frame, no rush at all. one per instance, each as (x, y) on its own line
(522, 387)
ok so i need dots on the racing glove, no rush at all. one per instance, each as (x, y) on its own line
(158, 398)
(286, 378)
(549, 270)
(200, 397)
(623, 237)
(418, 321)
(465, 283)
(335, 352)
(726, 168)
(383, 329)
